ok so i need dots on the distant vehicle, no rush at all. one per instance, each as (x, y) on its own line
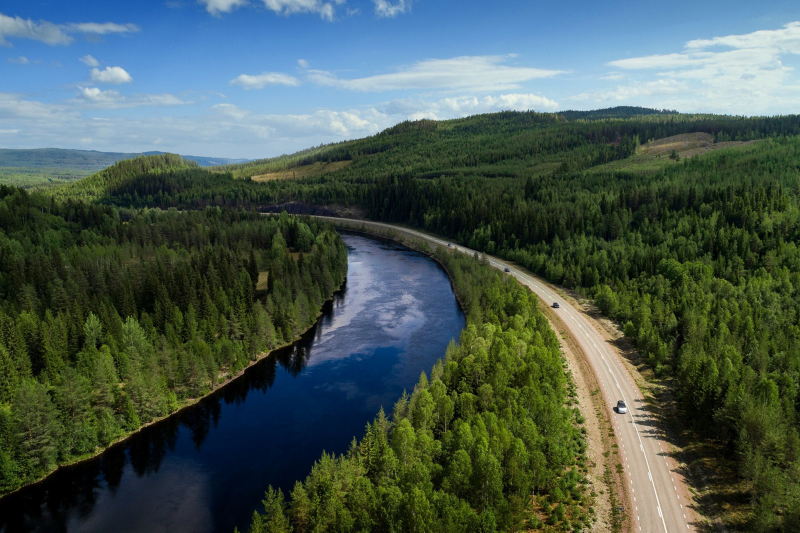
(555, 305)
(448, 244)
(507, 269)
(621, 407)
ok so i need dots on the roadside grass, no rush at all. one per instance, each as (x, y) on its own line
(720, 495)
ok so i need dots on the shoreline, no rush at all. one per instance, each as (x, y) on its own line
(189, 402)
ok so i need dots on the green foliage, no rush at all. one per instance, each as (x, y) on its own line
(472, 443)
(698, 260)
(112, 318)
(39, 177)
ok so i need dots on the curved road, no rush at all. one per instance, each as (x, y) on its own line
(656, 490)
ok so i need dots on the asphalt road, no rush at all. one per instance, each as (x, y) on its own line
(656, 490)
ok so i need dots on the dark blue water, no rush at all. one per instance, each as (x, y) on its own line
(206, 468)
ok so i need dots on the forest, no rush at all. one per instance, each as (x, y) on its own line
(480, 437)
(112, 318)
(696, 258)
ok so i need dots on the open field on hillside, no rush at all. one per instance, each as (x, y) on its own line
(314, 169)
(39, 177)
(655, 155)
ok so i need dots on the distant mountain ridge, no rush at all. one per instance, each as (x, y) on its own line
(91, 160)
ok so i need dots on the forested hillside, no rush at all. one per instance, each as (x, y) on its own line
(112, 318)
(86, 160)
(485, 434)
(697, 258)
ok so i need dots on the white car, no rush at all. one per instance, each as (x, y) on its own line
(621, 407)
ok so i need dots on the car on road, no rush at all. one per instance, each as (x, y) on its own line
(621, 407)
(506, 269)
(448, 244)
(555, 305)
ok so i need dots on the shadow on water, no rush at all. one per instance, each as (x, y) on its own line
(46, 506)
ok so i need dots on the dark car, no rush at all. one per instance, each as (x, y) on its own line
(448, 244)
(555, 305)
(507, 269)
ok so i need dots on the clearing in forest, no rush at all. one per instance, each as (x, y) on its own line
(314, 169)
(657, 154)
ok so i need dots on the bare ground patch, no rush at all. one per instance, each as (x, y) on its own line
(315, 169)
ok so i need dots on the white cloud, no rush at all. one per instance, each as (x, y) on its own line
(21, 60)
(477, 73)
(222, 129)
(303, 63)
(111, 75)
(95, 95)
(54, 34)
(628, 92)
(101, 28)
(111, 99)
(385, 8)
(325, 10)
(262, 80)
(462, 106)
(44, 31)
(290, 7)
(741, 74)
(90, 61)
(215, 7)
(230, 110)
(786, 39)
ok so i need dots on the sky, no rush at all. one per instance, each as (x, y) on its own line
(259, 78)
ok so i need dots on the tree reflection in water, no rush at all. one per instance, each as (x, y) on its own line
(75, 488)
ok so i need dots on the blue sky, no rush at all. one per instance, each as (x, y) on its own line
(257, 78)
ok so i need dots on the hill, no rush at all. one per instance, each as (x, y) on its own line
(696, 256)
(52, 166)
(92, 160)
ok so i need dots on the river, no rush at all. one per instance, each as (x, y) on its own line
(206, 468)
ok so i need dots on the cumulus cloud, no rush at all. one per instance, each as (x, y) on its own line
(115, 75)
(735, 73)
(54, 34)
(222, 129)
(628, 92)
(101, 28)
(21, 60)
(89, 60)
(326, 10)
(20, 28)
(262, 80)
(477, 73)
(215, 7)
(461, 106)
(290, 7)
(110, 99)
(385, 8)
(95, 95)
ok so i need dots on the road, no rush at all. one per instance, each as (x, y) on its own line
(656, 490)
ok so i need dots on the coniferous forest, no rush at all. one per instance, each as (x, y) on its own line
(113, 318)
(696, 256)
(488, 430)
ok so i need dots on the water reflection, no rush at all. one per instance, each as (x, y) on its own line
(206, 468)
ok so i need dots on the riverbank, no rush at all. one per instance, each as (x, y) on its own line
(184, 404)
